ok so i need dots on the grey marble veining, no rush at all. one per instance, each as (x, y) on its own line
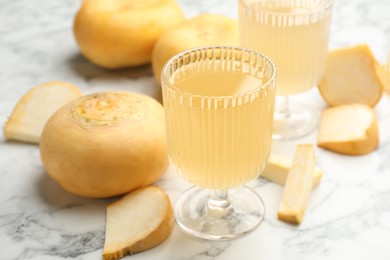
(348, 215)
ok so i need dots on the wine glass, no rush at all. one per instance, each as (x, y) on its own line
(219, 104)
(295, 35)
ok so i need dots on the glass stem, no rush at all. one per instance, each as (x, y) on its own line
(218, 200)
(282, 107)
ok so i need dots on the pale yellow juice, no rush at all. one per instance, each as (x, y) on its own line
(218, 141)
(295, 38)
(387, 65)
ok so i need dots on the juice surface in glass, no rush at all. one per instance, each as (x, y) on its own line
(219, 135)
(295, 38)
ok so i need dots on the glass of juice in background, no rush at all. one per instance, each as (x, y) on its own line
(386, 78)
(295, 35)
(219, 105)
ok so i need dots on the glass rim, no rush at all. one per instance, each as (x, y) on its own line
(328, 5)
(166, 84)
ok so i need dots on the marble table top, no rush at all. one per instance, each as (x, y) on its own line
(348, 215)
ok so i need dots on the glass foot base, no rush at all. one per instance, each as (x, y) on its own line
(199, 215)
(300, 121)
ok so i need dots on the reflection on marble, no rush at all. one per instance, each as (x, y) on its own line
(348, 214)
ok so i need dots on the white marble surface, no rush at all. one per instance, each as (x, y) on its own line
(348, 215)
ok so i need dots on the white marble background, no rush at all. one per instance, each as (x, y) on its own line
(348, 215)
